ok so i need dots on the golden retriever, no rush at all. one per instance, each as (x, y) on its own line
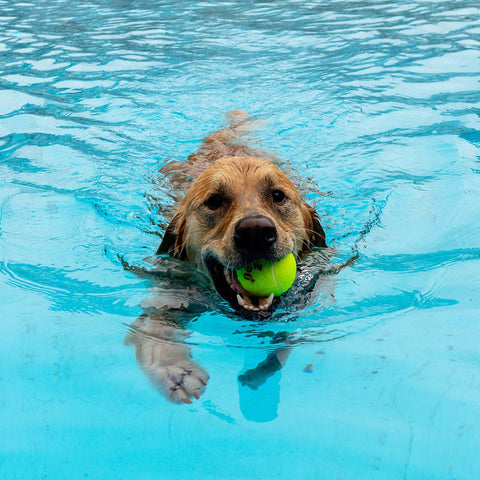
(240, 208)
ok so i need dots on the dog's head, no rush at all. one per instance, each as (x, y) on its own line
(239, 210)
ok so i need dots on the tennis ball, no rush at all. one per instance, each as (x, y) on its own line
(263, 278)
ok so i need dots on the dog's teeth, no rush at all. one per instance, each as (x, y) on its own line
(270, 299)
(246, 303)
(266, 302)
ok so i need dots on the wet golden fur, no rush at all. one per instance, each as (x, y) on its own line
(245, 184)
(243, 181)
(203, 226)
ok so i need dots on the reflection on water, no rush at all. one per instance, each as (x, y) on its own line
(375, 108)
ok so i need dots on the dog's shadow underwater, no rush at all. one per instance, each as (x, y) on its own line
(215, 231)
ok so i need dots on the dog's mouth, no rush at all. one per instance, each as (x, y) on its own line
(228, 286)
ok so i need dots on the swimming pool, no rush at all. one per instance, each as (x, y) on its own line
(376, 104)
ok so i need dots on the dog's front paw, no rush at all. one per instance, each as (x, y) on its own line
(179, 382)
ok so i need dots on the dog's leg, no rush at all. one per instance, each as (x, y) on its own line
(165, 359)
(275, 361)
(257, 376)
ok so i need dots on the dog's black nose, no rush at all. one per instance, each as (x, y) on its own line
(256, 233)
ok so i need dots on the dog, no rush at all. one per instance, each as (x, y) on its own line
(241, 208)
(238, 207)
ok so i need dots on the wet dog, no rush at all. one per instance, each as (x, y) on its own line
(238, 207)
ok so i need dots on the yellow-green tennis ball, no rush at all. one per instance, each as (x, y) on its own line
(263, 278)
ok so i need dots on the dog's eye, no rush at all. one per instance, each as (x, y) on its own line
(214, 202)
(278, 196)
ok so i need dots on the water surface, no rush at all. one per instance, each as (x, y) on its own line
(375, 104)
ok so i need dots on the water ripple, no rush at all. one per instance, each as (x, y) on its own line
(376, 107)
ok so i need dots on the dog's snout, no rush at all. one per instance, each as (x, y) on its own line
(255, 233)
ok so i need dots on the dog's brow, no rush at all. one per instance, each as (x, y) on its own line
(220, 185)
(220, 179)
(268, 180)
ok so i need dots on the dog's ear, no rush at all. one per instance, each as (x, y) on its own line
(315, 235)
(173, 241)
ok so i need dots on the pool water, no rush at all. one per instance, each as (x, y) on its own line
(376, 106)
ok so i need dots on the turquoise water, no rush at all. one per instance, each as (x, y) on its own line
(376, 104)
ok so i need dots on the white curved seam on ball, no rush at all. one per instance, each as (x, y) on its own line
(275, 280)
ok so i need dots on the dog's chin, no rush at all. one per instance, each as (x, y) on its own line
(228, 286)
